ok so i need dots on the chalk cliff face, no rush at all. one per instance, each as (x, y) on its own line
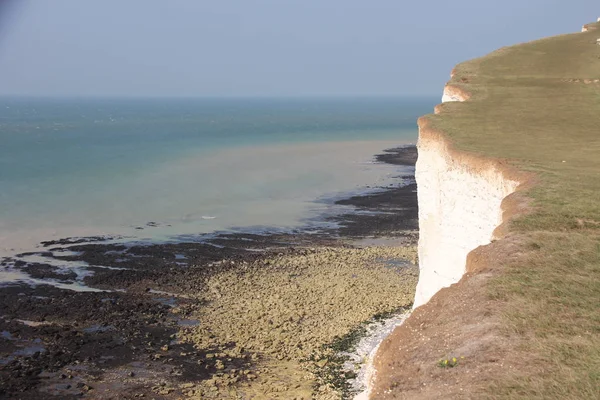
(459, 207)
(586, 28)
(452, 93)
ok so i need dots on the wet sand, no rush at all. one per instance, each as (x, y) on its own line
(231, 314)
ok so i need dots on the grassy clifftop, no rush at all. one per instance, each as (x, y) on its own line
(537, 105)
(524, 322)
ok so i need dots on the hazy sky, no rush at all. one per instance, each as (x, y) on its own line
(261, 47)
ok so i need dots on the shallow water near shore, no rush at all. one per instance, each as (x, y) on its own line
(154, 169)
(279, 186)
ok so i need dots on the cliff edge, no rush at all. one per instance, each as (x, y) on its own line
(509, 214)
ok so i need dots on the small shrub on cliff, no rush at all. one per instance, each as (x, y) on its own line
(448, 362)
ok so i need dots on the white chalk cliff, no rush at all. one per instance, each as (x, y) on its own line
(452, 94)
(459, 208)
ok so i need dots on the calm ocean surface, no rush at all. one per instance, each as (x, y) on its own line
(93, 167)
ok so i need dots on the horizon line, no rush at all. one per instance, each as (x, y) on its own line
(219, 97)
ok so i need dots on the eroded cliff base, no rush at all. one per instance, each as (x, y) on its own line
(460, 322)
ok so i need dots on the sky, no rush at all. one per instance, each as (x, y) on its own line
(205, 48)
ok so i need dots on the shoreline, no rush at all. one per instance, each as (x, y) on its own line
(154, 293)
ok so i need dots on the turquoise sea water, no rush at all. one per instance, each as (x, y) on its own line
(102, 166)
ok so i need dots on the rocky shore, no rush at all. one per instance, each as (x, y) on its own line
(284, 311)
(227, 316)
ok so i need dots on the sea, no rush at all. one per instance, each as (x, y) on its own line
(167, 169)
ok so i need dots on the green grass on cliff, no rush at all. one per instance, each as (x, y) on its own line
(537, 105)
